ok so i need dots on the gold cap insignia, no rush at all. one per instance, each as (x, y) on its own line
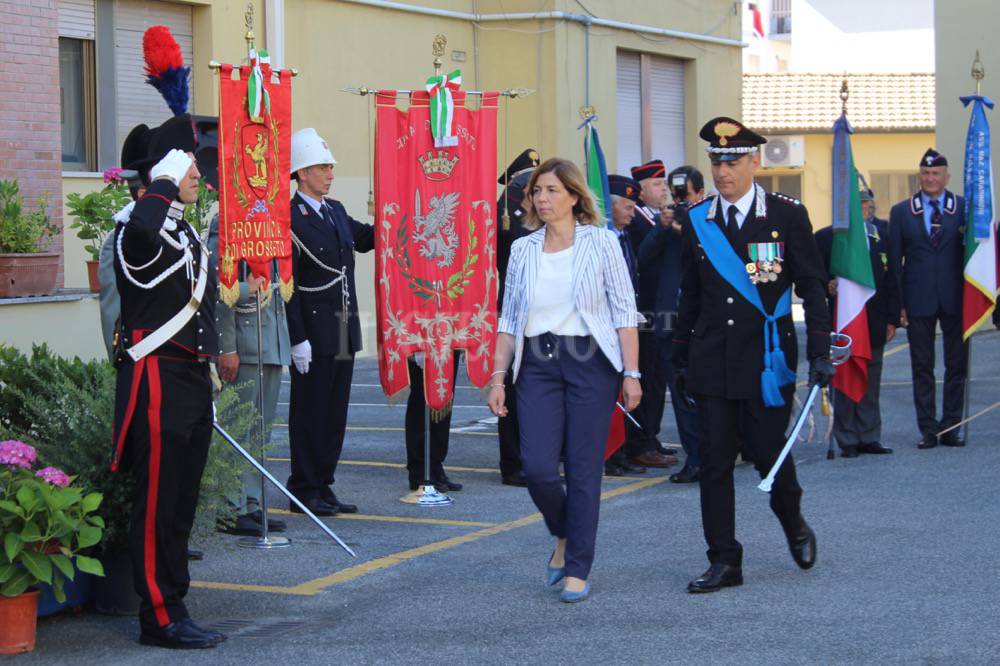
(774, 234)
(533, 156)
(724, 130)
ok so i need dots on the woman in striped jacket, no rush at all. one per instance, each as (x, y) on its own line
(567, 331)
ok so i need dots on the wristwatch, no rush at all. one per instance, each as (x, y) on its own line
(634, 374)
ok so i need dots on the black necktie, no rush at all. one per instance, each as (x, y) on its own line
(328, 216)
(935, 222)
(732, 228)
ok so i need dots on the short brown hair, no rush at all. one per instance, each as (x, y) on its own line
(585, 209)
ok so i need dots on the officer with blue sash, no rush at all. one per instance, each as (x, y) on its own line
(734, 346)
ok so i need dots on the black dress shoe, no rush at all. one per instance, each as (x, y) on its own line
(874, 448)
(316, 505)
(665, 450)
(273, 524)
(849, 451)
(515, 479)
(803, 547)
(218, 636)
(332, 500)
(630, 467)
(181, 635)
(686, 475)
(444, 484)
(611, 469)
(952, 439)
(718, 576)
(927, 441)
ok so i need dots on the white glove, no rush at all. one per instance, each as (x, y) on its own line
(302, 355)
(174, 166)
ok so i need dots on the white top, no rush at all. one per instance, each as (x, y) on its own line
(742, 204)
(553, 308)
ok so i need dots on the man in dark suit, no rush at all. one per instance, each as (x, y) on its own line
(660, 256)
(323, 325)
(742, 254)
(927, 256)
(857, 427)
(510, 213)
(642, 445)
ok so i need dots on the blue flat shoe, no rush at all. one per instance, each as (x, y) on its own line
(554, 574)
(568, 597)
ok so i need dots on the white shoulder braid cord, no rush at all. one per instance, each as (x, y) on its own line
(155, 339)
(341, 274)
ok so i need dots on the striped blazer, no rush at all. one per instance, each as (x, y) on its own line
(602, 289)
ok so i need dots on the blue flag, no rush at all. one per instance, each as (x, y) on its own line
(843, 165)
(978, 168)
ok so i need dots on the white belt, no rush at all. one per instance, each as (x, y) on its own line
(164, 333)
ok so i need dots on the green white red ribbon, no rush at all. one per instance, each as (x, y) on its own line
(256, 92)
(440, 89)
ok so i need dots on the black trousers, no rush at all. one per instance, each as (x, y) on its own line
(509, 433)
(165, 447)
(415, 410)
(920, 333)
(649, 413)
(722, 424)
(317, 423)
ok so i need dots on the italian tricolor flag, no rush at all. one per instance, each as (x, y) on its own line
(850, 262)
(979, 294)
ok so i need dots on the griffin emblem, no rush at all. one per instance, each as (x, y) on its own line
(434, 233)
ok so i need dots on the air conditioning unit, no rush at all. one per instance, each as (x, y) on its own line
(788, 151)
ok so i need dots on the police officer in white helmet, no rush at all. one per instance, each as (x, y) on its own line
(323, 324)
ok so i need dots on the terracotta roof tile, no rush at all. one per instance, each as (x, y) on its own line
(811, 102)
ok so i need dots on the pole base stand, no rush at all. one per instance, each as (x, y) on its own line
(265, 544)
(427, 495)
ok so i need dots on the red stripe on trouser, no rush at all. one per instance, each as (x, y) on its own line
(152, 492)
(133, 393)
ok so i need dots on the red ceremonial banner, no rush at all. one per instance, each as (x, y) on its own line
(436, 276)
(254, 167)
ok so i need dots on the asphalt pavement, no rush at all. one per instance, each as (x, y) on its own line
(906, 571)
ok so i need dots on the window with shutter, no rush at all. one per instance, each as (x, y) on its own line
(650, 108)
(139, 102)
(629, 112)
(76, 19)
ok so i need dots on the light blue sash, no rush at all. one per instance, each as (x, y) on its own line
(732, 269)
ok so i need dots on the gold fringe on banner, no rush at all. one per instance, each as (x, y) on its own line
(286, 288)
(438, 415)
(229, 295)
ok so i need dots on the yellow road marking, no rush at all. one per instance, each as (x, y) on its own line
(313, 587)
(896, 350)
(395, 519)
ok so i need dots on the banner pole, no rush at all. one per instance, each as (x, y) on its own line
(968, 387)
(264, 540)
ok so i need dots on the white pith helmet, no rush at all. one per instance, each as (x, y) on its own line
(309, 149)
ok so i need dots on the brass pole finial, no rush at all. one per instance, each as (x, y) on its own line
(978, 72)
(844, 94)
(437, 48)
(248, 20)
(587, 111)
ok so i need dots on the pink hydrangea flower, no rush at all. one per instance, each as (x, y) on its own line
(56, 477)
(17, 454)
(113, 175)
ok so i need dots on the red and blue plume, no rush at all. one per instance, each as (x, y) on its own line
(165, 68)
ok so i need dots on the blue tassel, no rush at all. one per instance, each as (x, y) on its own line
(173, 86)
(769, 389)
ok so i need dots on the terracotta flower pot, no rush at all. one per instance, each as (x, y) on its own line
(93, 278)
(28, 274)
(18, 622)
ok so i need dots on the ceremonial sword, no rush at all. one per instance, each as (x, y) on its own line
(267, 475)
(840, 351)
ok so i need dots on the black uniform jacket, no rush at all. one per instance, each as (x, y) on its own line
(317, 316)
(145, 310)
(719, 335)
(930, 278)
(883, 307)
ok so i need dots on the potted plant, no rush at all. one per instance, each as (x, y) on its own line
(25, 269)
(64, 407)
(93, 213)
(46, 522)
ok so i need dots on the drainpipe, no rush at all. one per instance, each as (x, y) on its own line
(274, 31)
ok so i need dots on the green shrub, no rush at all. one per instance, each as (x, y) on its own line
(21, 232)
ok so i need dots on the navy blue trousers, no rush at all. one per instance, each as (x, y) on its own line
(566, 391)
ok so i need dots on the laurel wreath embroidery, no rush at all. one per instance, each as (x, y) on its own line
(241, 196)
(423, 288)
